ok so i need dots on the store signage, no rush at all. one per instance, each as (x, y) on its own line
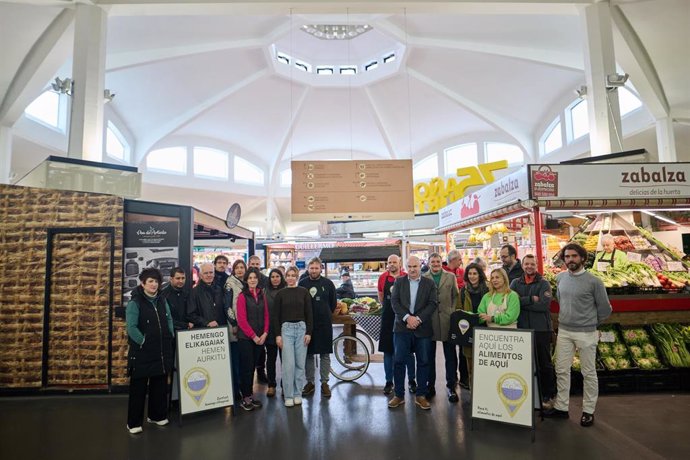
(503, 377)
(434, 195)
(509, 189)
(352, 190)
(203, 369)
(674, 266)
(630, 180)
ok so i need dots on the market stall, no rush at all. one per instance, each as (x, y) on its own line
(602, 199)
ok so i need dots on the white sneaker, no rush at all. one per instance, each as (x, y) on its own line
(298, 400)
(289, 402)
(158, 422)
(135, 430)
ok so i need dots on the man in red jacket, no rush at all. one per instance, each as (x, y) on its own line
(454, 266)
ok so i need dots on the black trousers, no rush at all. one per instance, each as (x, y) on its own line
(547, 375)
(249, 356)
(462, 368)
(261, 360)
(272, 352)
(158, 399)
(450, 353)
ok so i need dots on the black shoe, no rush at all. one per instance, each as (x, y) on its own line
(261, 376)
(246, 405)
(464, 385)
(453, 396)
(256, 403)
(413, 386)
(431, 392)
(555, 413)
(587, 419)
(388, 389)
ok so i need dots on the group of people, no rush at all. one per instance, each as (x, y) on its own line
(289, 315)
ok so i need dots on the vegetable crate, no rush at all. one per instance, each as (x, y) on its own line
(617, 382)
(658, 381)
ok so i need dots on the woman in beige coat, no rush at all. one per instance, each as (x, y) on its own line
(448, 302)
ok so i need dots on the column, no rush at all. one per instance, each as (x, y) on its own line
(5, 154)
(666, 140)
(605, 135)
(88, 73)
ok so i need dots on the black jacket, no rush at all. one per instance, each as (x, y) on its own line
(346, 291)
(219, 278)
(155, 355)
(425, 304)
(323, 301)
(515, 272)
(177, 300)
(208, 303)
(534, 315)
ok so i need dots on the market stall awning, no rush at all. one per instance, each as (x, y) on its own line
(359, 254)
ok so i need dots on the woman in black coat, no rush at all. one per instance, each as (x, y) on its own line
(150, 359)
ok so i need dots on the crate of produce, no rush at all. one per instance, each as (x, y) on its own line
(612, 351)
(671, 342)
(668, 380)
(642, 351)
(617, 382)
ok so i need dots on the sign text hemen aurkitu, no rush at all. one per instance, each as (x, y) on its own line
(213, 343)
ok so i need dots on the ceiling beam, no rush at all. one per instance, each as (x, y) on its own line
(379, 123)
(190, 115)
(633, 57)
(558, 59)
(518, 132)
(125, 60)
(50, 51)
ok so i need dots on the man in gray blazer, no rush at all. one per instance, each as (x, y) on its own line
(414, 299)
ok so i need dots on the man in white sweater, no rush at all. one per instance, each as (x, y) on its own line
(583, 306)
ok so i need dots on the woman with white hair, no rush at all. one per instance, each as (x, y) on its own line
(610, 255)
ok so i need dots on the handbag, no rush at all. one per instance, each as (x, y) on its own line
(462, 324)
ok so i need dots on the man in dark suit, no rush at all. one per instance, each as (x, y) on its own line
(414, 299)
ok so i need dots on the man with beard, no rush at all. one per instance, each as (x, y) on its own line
(322, 292)
(220, 275)
(511, 264)
(583, 306)
(177, 296)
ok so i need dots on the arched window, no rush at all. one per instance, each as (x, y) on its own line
(459, 156)
(496, 151)
(426, 168)
(286, 178)
(579, 120)
(627, 101)
(45, 109)
(247, 173)
(552, 139)
(210, 163)
(115, 144)
(169, 160)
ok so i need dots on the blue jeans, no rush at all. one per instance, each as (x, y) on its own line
(294, 358)
(405, 343)
(388, 367)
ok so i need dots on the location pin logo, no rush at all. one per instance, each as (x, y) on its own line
(196, 383)
(464, 326)
(512, 389)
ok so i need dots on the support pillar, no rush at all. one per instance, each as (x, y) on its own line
(605, 134)
(88, 73)
(5, 154)
(666, 140)
(538, 247)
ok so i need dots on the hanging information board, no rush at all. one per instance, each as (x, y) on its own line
(203, 366)
(502, 378)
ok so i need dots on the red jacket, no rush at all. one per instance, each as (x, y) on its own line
(459, 275)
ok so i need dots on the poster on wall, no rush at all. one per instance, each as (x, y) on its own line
(150, 241)
(503, 384)
(203, 369)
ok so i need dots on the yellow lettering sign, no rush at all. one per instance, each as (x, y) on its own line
(434, 195)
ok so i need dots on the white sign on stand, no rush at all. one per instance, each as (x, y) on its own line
(503, 386)
(203, 366)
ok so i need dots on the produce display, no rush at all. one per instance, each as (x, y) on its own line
(614, 355)
(642, 350)
(363, 305)
(673, 343)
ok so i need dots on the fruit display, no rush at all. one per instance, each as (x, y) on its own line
(362, 305)
(642, 350)
(671, 339)
(623, 243)
(614, 355)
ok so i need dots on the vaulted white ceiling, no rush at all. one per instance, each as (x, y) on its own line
(207, 72)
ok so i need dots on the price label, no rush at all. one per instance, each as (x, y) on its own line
(634, 257)
(674, 266)
(607, 336)
(603, 266)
